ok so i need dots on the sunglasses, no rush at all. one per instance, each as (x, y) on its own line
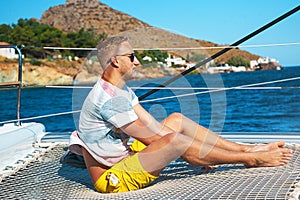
(131, 56)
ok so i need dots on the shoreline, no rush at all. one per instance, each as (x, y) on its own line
(64, 72)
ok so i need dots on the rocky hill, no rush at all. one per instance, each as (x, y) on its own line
(100, 18)
(92, 15)
(89, 15)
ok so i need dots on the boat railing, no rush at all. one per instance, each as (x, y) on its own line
(18, 82)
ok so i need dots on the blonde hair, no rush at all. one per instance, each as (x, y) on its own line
(108, 48)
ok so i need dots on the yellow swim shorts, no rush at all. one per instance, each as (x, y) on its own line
(127, 175)
(137, 146)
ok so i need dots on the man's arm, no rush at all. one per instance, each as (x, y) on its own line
(151, 122)
(146, 128)
(140, 131)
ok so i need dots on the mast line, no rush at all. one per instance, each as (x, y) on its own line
(219, 53)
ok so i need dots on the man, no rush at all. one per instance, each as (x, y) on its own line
(111, 114)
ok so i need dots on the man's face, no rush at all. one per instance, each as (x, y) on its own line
(126, 60)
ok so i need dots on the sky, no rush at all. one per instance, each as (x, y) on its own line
(217, 21)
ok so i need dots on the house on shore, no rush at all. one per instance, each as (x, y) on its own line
(226, 68)
(265, 64)
(8, 52)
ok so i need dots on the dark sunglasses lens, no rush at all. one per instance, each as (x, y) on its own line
(132, 57)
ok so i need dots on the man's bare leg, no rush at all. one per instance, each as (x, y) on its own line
(94, 167)
(160, 153)
(181, 124)
(171, 146)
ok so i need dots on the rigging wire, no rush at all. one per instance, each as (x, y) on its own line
(221, 47)
(41, 116)
(176, 88)
(275, 21)
(163, 98)
(176, 48)
(221, 89)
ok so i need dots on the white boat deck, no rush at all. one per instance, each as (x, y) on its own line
(16, 141)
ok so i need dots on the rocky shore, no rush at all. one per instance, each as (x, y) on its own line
(82, 71)
(63, 72)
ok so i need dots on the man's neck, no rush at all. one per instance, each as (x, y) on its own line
(114, 80)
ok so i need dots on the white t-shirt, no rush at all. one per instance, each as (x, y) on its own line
(106, 109)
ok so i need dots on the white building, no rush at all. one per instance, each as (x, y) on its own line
(149, 59)
(264, 60)
(176, 60)
(190, 64)
(8, 52)
(226, 68)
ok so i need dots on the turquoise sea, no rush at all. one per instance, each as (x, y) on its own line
(245, 102)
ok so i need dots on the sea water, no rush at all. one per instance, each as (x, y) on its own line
(244, 102)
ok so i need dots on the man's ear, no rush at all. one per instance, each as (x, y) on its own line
(114, 62)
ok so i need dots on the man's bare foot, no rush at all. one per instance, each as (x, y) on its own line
(265, 147)
(272, 158)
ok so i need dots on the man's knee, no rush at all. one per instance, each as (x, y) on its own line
(175, 119)
(175, 116)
